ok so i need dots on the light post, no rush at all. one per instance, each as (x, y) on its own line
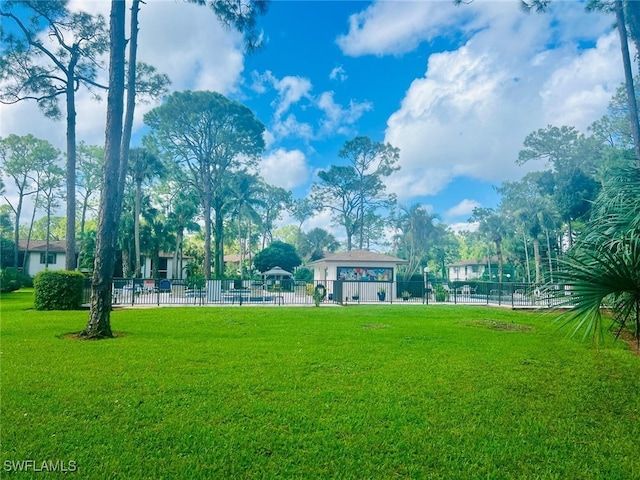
(426, 283)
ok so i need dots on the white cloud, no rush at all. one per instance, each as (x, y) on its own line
(286, 169)
(323, 220)
(291, 127)
(464, 227)
(470, 113)
(338, 119)
(398, 27)
(295, 91)
(338, 73)
(183, 40)
(575, 93)
(465, 207)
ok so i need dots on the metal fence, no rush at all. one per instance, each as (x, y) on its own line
(229, 292)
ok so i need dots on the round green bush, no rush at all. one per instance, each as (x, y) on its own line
(59, 290)
(9, 280)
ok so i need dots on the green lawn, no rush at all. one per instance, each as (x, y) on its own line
(355, 392)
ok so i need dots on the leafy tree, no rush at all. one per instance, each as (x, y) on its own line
(355, 192)
(524, 204)
(273, 201)
(316, 242)
(6, 233)
(88, 178)
(143, 166)
(614, 128)
(37, 70)
(415, 234)
(183, 210)
(572, 159)
(301, 210)
(444, 248)
(491, 224)
(337, 191)
(245, 190)
(49, 183)
(278, 254)
(288, 234)
(211, 137)
(23, 159)
(158, 237)
(243, 19)
(372, 162)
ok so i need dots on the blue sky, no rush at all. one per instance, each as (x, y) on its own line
(457, 89)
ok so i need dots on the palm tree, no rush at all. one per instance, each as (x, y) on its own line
(245, 191)
(318, 240)
(603, 269)
(184, 208)
(491, 225)
(156, 231)
(143, 166)
(416, 230)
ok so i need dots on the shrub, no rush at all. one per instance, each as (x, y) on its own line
(11, 279)
(60, 290)
(304, 274)
(441, 294)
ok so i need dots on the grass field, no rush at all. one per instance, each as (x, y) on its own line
(357, 392)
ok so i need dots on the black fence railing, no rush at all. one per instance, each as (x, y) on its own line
(233, 292)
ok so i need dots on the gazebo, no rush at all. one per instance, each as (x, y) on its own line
(275, 276)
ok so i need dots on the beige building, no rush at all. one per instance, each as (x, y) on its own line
(357, 272)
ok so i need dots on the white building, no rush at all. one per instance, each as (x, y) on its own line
(36, 254)
(358, 272)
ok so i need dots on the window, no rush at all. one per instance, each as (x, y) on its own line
(162, 267)
(43, 259)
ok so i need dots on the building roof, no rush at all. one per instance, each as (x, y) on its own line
(359, 256)
(231, 258)
(55, 246)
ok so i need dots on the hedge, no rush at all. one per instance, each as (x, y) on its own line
(59, 290)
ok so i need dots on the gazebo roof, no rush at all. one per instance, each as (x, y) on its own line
(277, 272)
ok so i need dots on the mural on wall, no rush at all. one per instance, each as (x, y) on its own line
(364, 274)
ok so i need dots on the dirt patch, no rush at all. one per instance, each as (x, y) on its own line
(375, 326)
(501, 326)
(627, 337)
(76, 336)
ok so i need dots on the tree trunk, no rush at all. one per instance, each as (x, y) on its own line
(628, 79)
(526, 255)
(16, 234)
(33, 217)
(70, 251)
(46, 253)
(136, 225)
(549, 255)
(207, 235)
(536, 258)
(500, 260)
(125, 257)
(219, 243)
(249, 252)
(177, 269)
(99, 325)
